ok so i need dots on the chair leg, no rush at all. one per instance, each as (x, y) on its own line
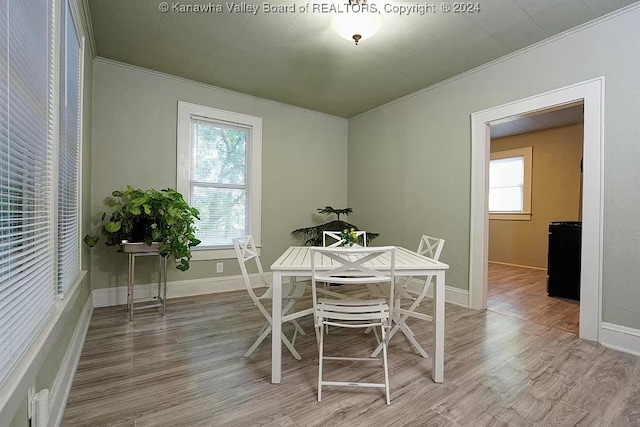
(290, 347)
(375, 332)
(285, 340)
(298, 327)
(402, 326)
(265, 325)
(386, 366)
(320, 360)
(411, 337)
(266, 331)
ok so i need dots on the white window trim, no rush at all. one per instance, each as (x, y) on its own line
(77, 22)
(185, 112)
(525, 215)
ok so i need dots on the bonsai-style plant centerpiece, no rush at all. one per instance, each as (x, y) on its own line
(150, 216)
(313, 234)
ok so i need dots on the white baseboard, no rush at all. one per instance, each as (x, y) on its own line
(517, 265)
(107, 297)
(62, 384)
(451, 295)
(620, 338)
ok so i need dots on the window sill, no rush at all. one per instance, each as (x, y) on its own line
(510, 216)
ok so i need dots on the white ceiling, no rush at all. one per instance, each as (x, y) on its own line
(296, 58)
(541, 120)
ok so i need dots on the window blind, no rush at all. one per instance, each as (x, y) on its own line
(219, 180)
(27, 295)
(68, 153)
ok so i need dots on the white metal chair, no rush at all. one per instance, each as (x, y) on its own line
(352, 266)
(430, 247)
(334, 238)
(245, 251)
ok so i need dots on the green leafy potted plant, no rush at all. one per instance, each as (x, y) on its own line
(313, 234)
(150, 216)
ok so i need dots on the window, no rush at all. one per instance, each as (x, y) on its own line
(510, 184)
(219, 173)
(27, 194)
(71, 52)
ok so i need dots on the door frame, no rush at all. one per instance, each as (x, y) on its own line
(590, 92)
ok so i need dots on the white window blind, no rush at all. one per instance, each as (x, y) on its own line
(27, 294)
(506, 184)
(68, 152)
(220, 154)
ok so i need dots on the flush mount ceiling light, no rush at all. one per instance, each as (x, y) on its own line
(357, 21)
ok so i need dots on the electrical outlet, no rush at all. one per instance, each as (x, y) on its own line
(219, 267)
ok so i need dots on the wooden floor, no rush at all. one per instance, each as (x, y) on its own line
(522, 292)
(187, 369)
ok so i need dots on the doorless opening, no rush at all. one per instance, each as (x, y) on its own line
(591, 93)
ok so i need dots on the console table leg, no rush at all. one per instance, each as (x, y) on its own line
(132, 267)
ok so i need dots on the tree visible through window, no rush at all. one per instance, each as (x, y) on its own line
(219, 178)
(219, 155)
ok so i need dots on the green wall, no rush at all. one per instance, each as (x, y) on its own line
(304, 159)
(409, 161)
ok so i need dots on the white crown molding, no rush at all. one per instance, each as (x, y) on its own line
(620, 338)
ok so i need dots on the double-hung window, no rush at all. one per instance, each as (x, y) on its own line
(71, 51)
(27, 250)
(219, 173)
(40, 110)
(510, 184)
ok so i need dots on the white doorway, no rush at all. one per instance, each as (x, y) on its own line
(591, 93)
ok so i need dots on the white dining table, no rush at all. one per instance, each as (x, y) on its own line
(295, 263)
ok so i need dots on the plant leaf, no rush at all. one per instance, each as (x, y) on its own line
(91, 241)
(112, 227)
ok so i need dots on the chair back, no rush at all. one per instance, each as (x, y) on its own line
(352, 266)
(246, 251)
(333, 239)
(430, 247)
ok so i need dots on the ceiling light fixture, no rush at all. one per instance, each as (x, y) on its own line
(358, 22)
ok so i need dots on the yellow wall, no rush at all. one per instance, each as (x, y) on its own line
(555, 195)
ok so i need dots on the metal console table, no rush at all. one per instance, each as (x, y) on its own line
(135, 250)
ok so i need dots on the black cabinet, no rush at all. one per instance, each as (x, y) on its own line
(563, 260)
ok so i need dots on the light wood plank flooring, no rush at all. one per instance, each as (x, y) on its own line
(187, 369)
(522, 292)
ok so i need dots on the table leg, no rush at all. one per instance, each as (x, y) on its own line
(164, 290)
(132, 265)
(276, 324)
(159, 297)
(438, 328)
